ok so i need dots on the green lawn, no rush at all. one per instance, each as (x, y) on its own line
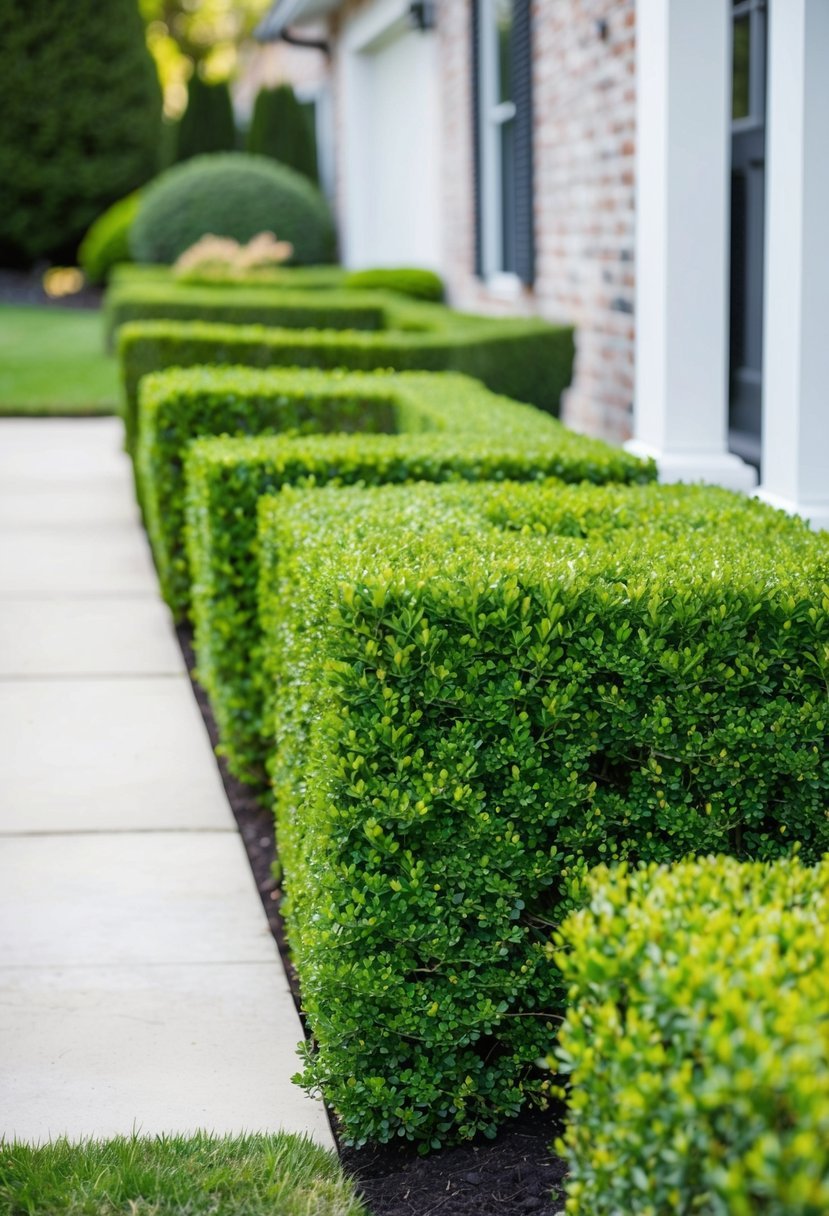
(175, 1176)
(52, 361)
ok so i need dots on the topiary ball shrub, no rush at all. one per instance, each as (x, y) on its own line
(236, 195)
(107, 241)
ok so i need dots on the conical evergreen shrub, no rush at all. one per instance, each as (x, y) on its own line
(207, 125)
(81, 116)
(283, 128)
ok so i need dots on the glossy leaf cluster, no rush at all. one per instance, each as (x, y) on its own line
(697, 1041)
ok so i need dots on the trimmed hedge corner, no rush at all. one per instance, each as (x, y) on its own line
(479, 693)
(447, 428)
(528, 360)
(407, 280)
(698, 1040)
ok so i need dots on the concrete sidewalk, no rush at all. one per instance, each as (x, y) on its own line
(139, 985)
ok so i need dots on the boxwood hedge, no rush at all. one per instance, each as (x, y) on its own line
(698, 1041)
(528, 360)
(296, 278)
(466, 433)
(479, 693)
(244, 304)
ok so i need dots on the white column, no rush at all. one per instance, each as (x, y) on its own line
(796, 354)
(682, 241)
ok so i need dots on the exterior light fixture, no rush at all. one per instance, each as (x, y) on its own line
(422, 14)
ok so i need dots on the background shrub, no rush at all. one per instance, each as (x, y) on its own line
(106, 244)
(482, 691)
(523, 358)
(81, 110)
(303, 278)
(236, 195)
(282, 128)
(697, 1041)
(408, 281)
(450, 428)
(207, 124)
(245, 304)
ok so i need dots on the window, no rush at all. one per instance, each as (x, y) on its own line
(502, 105)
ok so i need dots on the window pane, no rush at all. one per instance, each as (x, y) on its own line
(503, 21)
(740, 106)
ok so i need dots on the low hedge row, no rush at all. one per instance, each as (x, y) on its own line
(419, 285)
(240, 304)
(182, 404)
(528, 360)
(449, 428)
(698, 1041)
(479, 693)
(296, 278)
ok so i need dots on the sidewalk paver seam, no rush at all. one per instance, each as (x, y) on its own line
(139, 982)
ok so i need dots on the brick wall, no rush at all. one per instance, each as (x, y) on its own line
(584, 108)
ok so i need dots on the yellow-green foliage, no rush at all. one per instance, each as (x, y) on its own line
(698, 1041)
(482, 691)
(408, 281)
(447, 427)
(526, 359)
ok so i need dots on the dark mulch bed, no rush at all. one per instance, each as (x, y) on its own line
(515, 1173)
(26, 287)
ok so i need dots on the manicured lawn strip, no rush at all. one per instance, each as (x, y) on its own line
(200, 1175)
(479, 693)
(51, 363)
(697, 1042)
(483, 438)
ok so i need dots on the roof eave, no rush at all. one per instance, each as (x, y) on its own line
(291, 12)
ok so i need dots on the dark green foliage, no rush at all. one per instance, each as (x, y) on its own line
(207, 124)
(698, 1041)
(525, 359)
(283, 129)
(106, 244)
(482, 691)
(448, 428)
(81, 109)
(231, 194)
(408, 281)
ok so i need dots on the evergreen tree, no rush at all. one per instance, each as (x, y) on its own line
(81, 109)
(283, 128)
(207, 124)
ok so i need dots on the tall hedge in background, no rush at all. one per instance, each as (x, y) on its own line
(81, 113)
(283, 128)
(207, 125)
